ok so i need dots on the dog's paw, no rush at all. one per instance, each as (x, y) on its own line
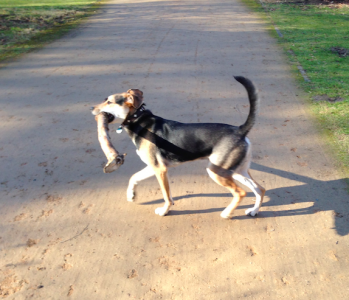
(130, 195)
(226, 215)
(162, 211)
(251, 212)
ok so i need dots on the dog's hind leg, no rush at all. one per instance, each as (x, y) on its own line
(136, 178)
(161, 175)
(237, 192)
(244, 177)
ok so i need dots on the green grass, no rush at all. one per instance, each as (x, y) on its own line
(29, 24)
(312, 32)
(43, 3)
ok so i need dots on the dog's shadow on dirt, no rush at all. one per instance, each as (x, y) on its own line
(311, 191)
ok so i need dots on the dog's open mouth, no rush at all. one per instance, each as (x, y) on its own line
(95, 111)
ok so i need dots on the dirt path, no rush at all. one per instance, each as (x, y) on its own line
(66, 229)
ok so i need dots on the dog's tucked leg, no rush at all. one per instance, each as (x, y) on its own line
(161, 175)
(246, 179)
(237, 192)
(135, 179)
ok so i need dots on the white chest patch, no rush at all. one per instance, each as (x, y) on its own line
(142, 157)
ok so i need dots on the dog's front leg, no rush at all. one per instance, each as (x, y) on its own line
(135, 179)
(161, 175)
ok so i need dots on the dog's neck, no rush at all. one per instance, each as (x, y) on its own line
(133, 115)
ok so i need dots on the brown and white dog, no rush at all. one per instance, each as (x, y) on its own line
(163, 143)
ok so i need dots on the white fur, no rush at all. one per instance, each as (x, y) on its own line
(142, 156)
(135, 179)
(162, 211)
(241, 175)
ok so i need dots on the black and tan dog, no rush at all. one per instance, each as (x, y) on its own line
(163, 143)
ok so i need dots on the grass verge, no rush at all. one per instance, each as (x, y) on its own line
(29, 24)
(317, 37)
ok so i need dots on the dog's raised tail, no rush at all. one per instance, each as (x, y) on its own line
(254, 100)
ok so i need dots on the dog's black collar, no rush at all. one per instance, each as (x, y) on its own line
(132, 117)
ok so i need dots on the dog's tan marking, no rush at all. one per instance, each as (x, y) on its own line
(161, 175)
(238, 193)
(148, 153)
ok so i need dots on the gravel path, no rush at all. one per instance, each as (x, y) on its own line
(66, 229)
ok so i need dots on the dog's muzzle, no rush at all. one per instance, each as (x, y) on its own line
(94, 111)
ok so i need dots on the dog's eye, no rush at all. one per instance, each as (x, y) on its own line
(108, 102)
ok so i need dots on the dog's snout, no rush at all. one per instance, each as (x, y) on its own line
(95, 111)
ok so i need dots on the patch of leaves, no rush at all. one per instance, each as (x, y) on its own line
(342, 52)
(327, 98)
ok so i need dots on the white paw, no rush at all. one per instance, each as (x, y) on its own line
(162, 211)
(130, 195)
(226, 215)
(251, 212)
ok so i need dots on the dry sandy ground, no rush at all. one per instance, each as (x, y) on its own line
(67, 230)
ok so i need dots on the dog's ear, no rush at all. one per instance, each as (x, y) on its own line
(134, 98)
